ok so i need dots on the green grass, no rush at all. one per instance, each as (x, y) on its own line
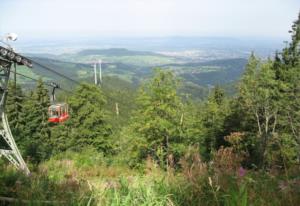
(89, 178)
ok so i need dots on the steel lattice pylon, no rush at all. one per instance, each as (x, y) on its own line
(12, 153)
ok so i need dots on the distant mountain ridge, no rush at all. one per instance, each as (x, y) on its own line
(134, 67)
(200, 73)
(238, 62)
(116, 52)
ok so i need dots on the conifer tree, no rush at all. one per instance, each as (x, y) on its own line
(213, 115)
(287, 68)
(36, 131)
(292, 80)
(88, 125)
(259, 90)
(291, 54)
(14, 108)
(157, 119)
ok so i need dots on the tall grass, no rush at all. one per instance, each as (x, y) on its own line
(86, 178)
(142, 192)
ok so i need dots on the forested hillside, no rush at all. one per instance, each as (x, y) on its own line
(196, 77)
(151, 143)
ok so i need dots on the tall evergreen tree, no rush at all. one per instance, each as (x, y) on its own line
(14, 108)
(36, 131)
(157, 119)
(258, 96)
(293, 79)
(88, 125)
(287, 67)
(291, 54)
(213, 117)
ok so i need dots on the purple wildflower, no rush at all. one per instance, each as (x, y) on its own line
(242, 172)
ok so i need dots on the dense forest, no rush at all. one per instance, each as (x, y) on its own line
(162, 148)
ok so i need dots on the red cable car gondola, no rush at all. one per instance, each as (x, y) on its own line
(57, 112)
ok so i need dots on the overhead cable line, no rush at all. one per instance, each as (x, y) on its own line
(30, 78)
(53, 71)
(48, 84)
(10, 55)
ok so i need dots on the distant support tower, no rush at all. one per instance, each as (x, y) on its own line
(95, 73)
(100, 70)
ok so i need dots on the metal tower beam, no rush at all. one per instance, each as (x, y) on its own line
(12, 153)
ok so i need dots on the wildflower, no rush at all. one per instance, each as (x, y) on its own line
(242, 172)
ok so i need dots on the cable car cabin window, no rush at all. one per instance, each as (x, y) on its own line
(58, 113)
(53, 112)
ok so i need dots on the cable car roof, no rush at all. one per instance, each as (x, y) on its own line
(57, 105)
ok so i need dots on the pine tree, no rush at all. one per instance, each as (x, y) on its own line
(259, 91)
(218, 95)
(287, 68)
(213, 117)
(292, 80)
(14, 108)
(157, 120)
(291, 54)
(42, 102)
(88, 125)
(35, 126)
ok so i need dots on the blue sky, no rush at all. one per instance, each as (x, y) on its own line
(234, 18)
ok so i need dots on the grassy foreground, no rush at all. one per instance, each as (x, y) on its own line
(87, 178)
